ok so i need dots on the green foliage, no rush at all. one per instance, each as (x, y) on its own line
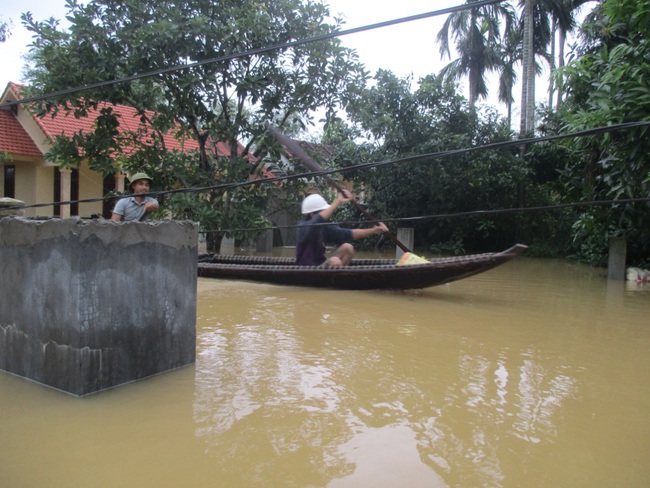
(398, 122)
(609, 84)
(5, 29)
(225, 102)
(477, 35)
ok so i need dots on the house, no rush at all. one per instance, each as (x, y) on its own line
(26, 175)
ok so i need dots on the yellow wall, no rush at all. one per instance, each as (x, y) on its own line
(35, 177)
(44, 189)
(34, 185)
(90, 186)
(34, 131)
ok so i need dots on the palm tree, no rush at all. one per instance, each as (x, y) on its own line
(540, 20)
(564, 22)
(5, 29)
(477, 34)
(536, 37)
(510, 55)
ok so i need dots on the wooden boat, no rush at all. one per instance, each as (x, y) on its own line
(361, 274)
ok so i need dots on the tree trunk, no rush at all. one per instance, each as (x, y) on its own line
(473, 95)
(528, 76)
(551, 78)
(527, 72)
(560, 64)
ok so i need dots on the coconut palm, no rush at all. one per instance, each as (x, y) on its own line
(540, 19)
(476, 33)
(536, 36)
(564, 22)
(510, 55)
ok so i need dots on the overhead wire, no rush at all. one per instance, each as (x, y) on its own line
(469, 213)
(428, 156)
(250, 52)
(408, 159)
(347, 169)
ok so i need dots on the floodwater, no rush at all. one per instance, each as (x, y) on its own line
(534, 374)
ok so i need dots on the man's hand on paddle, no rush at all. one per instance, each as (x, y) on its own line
(343, 196)
(380, 228)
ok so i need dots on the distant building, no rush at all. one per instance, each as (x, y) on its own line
(26, 175)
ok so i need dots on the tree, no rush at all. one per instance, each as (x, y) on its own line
(527, 62)
(435, 118)
(510, 53)
(563, 22)
(227, 101)
(477, 34)
(537, 21)
(5, 29)
(607, 84)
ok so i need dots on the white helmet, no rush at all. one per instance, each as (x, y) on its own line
(314, 203)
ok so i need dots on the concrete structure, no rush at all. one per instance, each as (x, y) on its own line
(264, 242)
(227, 246)
(89, 305)
(617, 258)
(406, 235)
(11, 206)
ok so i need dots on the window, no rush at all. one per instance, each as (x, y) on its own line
(109, 186)
(10, 181)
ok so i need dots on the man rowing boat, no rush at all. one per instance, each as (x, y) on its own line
(313, 234)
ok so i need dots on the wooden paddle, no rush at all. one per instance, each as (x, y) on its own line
(312, 165)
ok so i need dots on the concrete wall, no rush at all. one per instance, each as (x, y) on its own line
(11, 206)
(89, 305)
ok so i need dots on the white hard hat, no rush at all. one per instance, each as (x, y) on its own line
(314, 203)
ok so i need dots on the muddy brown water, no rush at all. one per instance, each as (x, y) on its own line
(534, 374)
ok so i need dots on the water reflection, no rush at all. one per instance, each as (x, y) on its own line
(262, 395)
(534, 374)
(285, 380)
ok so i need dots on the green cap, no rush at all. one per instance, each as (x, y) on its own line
(140, 176)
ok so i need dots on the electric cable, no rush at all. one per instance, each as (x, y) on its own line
(251, 52)
(409, 159)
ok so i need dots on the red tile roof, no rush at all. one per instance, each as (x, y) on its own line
(324, 151)
(13, 138)
(15, 90)
(129, 119)
(66, 124)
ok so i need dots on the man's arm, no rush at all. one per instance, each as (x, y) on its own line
(118, 210)
(363, 233)
(340, 199)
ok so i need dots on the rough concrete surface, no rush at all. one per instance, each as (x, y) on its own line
(89, 305)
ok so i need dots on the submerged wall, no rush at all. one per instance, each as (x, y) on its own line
(89, 305)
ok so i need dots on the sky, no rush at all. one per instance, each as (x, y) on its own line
(378, 48)
(406, 49)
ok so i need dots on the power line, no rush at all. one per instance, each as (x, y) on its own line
(298, 42)
(436, 155)
(363, 166)
(469, 213)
